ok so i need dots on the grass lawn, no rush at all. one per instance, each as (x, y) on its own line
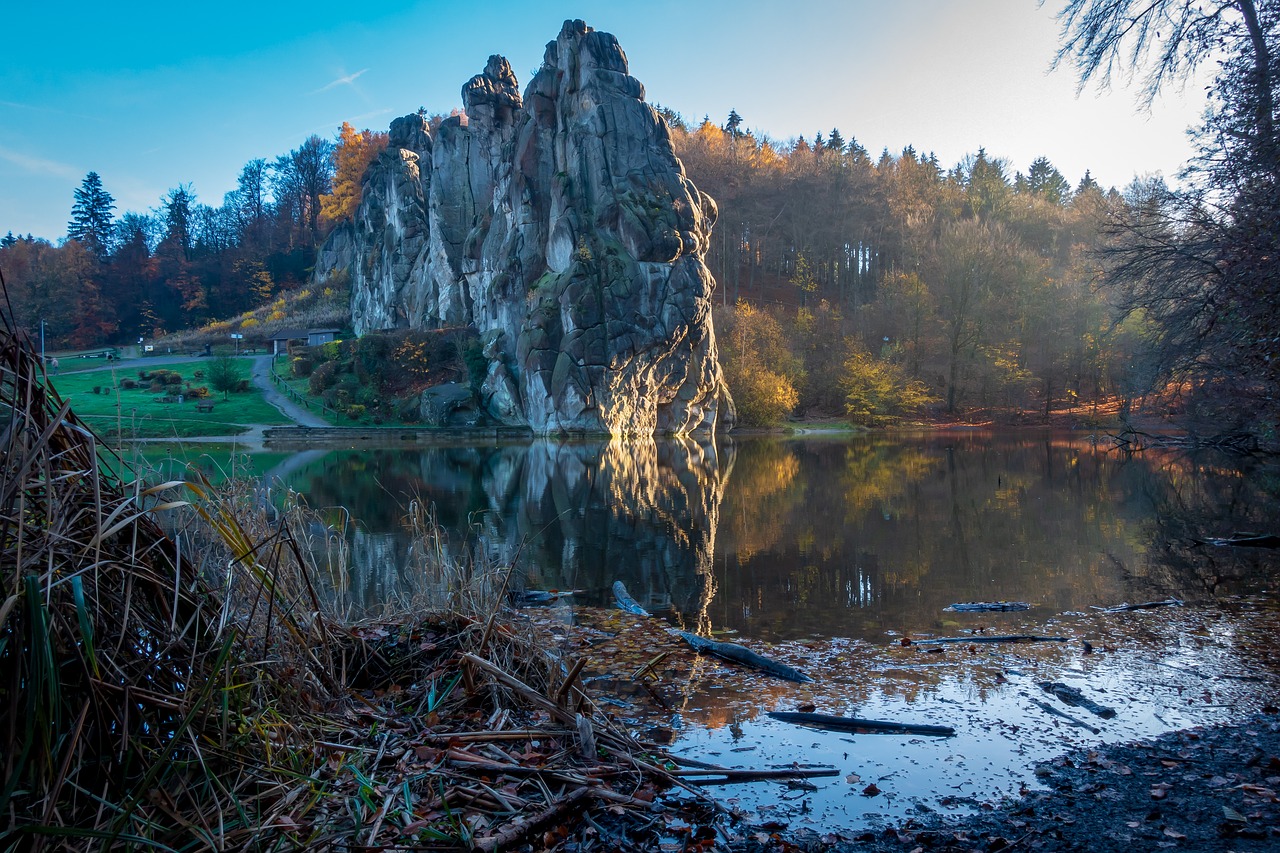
(139, 412)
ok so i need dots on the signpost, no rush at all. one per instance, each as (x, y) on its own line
(237, 337)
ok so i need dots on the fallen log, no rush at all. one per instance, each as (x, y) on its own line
(625, 601)
(994, 638)
(1072, 696)
(735, 653)
(1080, 724)
(1146, 605)
(853, 724)
(987, 607)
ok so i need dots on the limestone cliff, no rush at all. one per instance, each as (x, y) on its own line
(562, 227)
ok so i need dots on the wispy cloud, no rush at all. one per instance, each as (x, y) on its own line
(39, 165)
(38, 108)
(341, 81)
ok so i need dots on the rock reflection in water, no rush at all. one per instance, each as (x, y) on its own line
(571, 515)
(817, 538)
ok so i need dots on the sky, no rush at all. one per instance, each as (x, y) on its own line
(153, 95)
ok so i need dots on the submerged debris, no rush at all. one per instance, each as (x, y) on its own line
(988, 606)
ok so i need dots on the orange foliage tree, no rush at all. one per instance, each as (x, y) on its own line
(356, 150)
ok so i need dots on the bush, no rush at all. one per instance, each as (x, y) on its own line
(172, 378)
(324, 376)
(879, 392)
(97, 389)
(302, 365)
(199, 374)
(241, 386)
(144, 375)
(355, 412)
(198, 392)
(763, 396)
(128, 384)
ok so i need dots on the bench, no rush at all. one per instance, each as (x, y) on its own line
(204, 406)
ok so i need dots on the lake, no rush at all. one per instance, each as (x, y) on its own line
(839, 555)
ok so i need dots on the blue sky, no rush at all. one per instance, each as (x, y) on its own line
(150, 95)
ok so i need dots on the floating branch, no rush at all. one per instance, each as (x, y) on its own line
(741, 654)
(854, 724)
(999, 638)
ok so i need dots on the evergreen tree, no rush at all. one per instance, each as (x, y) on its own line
(1047, 182)
(735, 121)
(1087, 183)
(91, 216)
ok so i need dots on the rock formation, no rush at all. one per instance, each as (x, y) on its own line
(561, 226)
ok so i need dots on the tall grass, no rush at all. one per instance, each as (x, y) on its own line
(165, 685)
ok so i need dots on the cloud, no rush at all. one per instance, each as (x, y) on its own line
(40, 166)
(341, 81)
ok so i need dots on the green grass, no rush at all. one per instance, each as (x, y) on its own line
(138, 412)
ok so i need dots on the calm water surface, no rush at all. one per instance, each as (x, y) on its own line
(828, 551)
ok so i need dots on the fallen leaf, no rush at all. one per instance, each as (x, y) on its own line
(853, 778)
(871, 790)
(1159, 792)
(1233, 815)
(1174, 834)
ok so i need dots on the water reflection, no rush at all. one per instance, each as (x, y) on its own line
(569, 515)
(788, 539)
(833, 548)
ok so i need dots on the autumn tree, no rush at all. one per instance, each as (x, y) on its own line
(759, 366)
(1200, 263)
(352, 156)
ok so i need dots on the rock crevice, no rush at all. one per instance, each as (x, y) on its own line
(559, 224)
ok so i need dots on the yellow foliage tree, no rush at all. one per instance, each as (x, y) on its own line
(356, 150)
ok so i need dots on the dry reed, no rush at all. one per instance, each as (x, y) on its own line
(193, 685)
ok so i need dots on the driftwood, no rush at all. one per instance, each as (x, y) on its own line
(995, 638)
(1080, 724)
(542, 596)
(853, 724)
(741, 654)
(987, 606)
(625, 601)
(1146, 605)
(1244, 541)
(1072, 696)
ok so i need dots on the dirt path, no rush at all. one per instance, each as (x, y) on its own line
(290, 409)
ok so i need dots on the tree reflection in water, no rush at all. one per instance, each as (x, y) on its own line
(789, 539)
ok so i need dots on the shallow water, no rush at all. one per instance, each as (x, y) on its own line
(827, 553)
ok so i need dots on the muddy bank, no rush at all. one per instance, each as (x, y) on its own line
(1209, 788)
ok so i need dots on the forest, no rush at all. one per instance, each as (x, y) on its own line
(891, 280)
(873, 288)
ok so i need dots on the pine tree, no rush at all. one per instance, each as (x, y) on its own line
(91, 221)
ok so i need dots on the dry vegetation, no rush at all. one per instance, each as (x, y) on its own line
(305, 308)
(175, 673)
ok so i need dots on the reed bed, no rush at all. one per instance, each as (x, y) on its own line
(175, 674)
